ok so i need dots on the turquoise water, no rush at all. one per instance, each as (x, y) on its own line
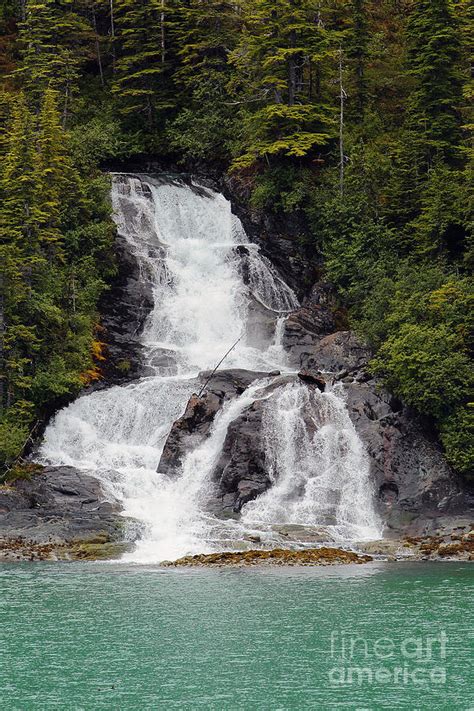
(105, 636)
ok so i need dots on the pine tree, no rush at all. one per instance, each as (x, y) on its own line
(17, 179)
(205, 33)
(53, 38)
(142, 69)
(434, 63)
(19, 245)
(280, 62)
(358, 39)
(53, 175)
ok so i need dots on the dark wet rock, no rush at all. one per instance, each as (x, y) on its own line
(124, 308)
(240, 474)
(414, 484)
(322, 294)
(58, 505)
(342, 350)
(313, 378)
(306, 326)
(228, 383)
(278, 235)
(195, 423)
(189, 431)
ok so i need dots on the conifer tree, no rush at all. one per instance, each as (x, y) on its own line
(142, 69)
(433, 61)
(53, 174)
(53, 38)
(205, 33)
(19, 245)
(357, 50)
(280, 61)
(17, 179)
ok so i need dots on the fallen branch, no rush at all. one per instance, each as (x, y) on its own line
(217, 366)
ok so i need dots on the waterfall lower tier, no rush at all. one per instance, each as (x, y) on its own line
(212, 289)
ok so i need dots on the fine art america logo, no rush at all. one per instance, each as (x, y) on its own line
(411, 660)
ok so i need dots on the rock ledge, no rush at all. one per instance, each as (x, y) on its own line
(277, 556)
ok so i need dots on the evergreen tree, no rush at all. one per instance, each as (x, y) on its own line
(17, 179)
(142, 70)
(19, 240)
(206, 32)
(281, 60)
(357, 43)
(54, 176)
(434, 63)
(53, 38)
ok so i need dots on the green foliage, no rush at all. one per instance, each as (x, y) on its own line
(100, 138)
(284, 187)
(124, 366)
(13, 436)
(52, 39)
(434, 49)
(284, 64)
(206, 127)
(426, 367)
(141, 79)
(56, 238)
(457, 436)
(358, 50)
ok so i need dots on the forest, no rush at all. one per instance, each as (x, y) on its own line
(354, 115)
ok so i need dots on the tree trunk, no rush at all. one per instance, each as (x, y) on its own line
(342, 97)
(163, 34)
(292, 67)
(112, 33)
(97, 45)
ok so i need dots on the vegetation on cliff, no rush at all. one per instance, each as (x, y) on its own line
(353, 114)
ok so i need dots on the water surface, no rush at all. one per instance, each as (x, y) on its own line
(109, 636)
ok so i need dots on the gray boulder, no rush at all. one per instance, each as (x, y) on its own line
(240, 474)
(58, 505)
(194, 425)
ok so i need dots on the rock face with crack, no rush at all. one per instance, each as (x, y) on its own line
(124, 308)
(195, 423)
(240, 474)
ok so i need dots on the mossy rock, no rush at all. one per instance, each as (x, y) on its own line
(277, 556)
(96, 551)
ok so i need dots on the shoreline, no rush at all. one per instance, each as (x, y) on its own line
(456, 546)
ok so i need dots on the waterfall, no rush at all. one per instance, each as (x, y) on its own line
(211, 287)
(317, 463)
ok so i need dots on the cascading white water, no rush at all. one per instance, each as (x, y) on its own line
(211, 287)
(319, 468)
